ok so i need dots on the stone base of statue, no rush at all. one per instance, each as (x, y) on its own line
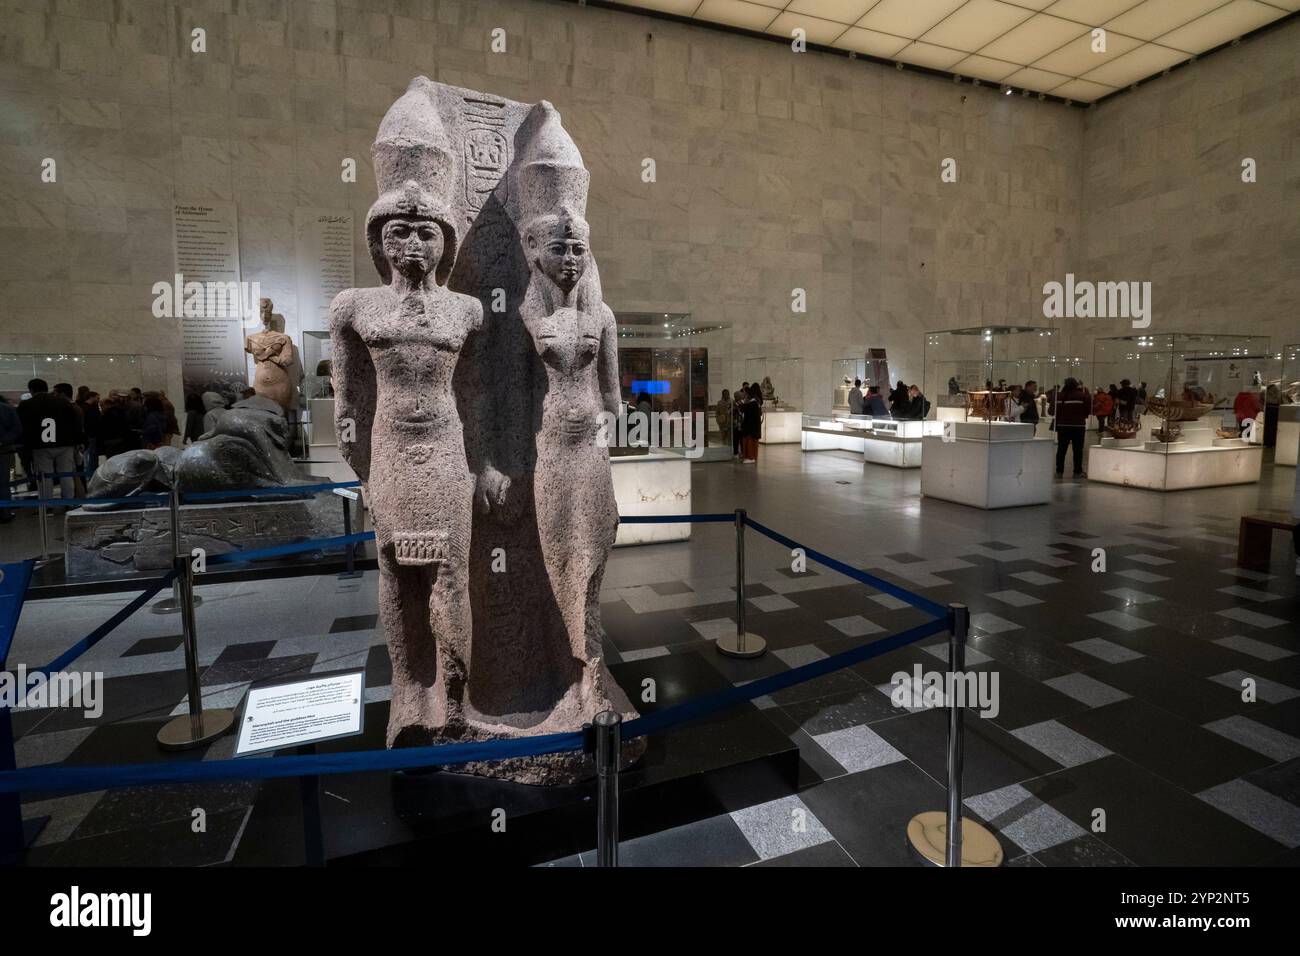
(126, 541)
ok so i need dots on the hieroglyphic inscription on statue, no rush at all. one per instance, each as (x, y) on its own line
(487, 151)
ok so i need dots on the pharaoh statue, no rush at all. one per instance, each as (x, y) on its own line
(397, 350)
(467, 392)
(277, 372)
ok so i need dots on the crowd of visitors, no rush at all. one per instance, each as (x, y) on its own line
(56, 434)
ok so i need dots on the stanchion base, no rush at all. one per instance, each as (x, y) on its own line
(179, 732)
(733, 645)
(927, 836)
(171, 605)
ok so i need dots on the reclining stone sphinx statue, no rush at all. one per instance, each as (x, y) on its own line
(493, 504)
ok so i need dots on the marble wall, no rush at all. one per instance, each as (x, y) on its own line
(774, 170)
(1163, 197)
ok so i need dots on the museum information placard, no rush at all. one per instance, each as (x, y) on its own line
(207, 296)
(302, 711)
(323, 254)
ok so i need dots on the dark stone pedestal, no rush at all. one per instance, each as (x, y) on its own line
(732, 760)
(103, 543)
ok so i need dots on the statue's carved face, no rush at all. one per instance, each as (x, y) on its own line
(561, 251)
(412, 246)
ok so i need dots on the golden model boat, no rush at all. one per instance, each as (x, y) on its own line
(1181, 409)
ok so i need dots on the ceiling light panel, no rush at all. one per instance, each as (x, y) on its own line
(841, 11)
(1219, 26)
(927, 54)
(816, 29)
(974, 24)
(1146, 60)
(1077, 57)
(985, 68)
(1092, 12)
(871, 42)
(907, 18)
(1036, 37)
(1150, 19)
(737, 13)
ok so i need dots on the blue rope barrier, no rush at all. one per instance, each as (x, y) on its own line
(59, 777)
(674, 519)
(262, 492)
(880, 584)
(156, 500)
(13, 590)
(101, 632)
(64, 778)
(315, 544)
(694, 709)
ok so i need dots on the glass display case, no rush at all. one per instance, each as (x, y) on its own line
(1286, 438)
(103, 373)
(318, 391)
(785, 376)
(843, 373)
(976, 375)
(1289, 383)
(317, 364)
(1171, 424)
(668, 363)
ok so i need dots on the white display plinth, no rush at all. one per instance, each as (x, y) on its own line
(897, 443)
(831, 434)
(780, 427)
(658, 483)
(1185, 465)
(881, 441)
(1288, 435)
(1003, 473)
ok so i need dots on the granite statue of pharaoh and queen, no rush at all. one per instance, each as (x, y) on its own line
(469, 391)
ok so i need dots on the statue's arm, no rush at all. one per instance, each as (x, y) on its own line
(608, 366)
(283, 352)
(354, 385)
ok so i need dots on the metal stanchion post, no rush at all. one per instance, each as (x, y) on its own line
(43, 513)
(608, 727)
(743, 643)
(172, 604)
(199, 726)
(944, 837)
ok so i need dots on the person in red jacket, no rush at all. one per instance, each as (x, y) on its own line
(1072, 406)
(1246, 407)
(1102, 406)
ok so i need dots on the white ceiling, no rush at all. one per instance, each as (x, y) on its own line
(1039, 45)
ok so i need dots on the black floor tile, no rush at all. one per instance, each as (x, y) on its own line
(154, 645)
(713, 842)
(363, 622)
(829, 853)
(239, 653)
(1149, 820)
(993, 758)
(867, 812)
(247, 671)
(1169, 746)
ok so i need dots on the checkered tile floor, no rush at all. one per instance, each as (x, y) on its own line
(1147, 714)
